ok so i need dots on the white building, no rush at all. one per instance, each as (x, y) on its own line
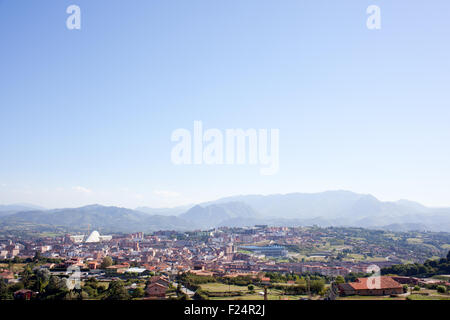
(94, 237)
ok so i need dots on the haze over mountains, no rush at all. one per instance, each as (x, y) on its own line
(331, 208)
(13, 208)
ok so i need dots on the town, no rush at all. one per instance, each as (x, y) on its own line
(252, 263)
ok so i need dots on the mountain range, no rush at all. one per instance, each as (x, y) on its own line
(330, 208)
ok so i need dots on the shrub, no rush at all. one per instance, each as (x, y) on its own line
(441, 289)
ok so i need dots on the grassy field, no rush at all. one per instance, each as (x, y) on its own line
(423, 294)
(414, 240)
(259, 297)
(219, 288)
(16, 267)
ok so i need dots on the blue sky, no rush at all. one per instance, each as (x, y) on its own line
(86, 115)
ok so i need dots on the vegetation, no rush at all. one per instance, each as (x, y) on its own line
(117, 291)
(429, 268)
(107, 262)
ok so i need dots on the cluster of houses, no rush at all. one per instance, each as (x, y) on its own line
(216, 252)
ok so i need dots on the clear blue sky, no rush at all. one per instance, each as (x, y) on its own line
(86, 115)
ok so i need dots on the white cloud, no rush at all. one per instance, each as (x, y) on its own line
(82, 189)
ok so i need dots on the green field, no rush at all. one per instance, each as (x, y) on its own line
(221, 287)
(431, 297)
(244, 294)
(414, 240)
(423, 294)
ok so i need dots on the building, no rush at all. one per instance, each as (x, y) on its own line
(96, 237)
(407, 280)
(7, 276)
(272, 251)
(156, 290)
(162, 280)
(77, 238)
(373, 286)
(23, 294)
(157, 287)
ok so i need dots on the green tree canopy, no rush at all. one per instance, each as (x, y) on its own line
(340, 279)
(107, 262)
(117, 291)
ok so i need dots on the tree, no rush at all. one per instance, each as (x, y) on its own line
(26, 277)
(441, 289)
(340, 279)
(42, 278)
(56, 288)
(448, 256)
(199, 295)
(4, 294)
(179, 289)
(116, 291)
(251, 288)
(37, 256)
(138, 293)
(317, 286)
(107, 262)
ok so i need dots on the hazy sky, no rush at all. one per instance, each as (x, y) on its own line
(86, 115)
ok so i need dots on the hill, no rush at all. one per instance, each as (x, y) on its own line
(221, 214)
(344, 208)
(105, 219)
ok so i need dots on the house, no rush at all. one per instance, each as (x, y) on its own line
(162, 280)
(373, 286)
(407, 280)
(202, 273)
(23, 294)
(48, 265)
(118, 268)
(156, 290)
(7, 276)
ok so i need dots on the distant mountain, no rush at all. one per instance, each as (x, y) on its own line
(331, 208)
(165, 211)
(104, 219)
(298, 205)
(343, 208)
(214, 215)
(405, 227)
(18, 207)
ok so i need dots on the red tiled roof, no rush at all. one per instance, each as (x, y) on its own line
(375, 283)
(7, 275)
